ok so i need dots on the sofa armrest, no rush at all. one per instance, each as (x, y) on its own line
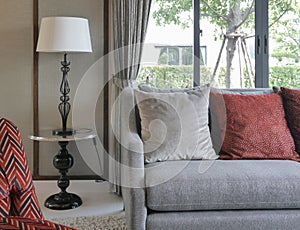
(132, 164)
(133, 191)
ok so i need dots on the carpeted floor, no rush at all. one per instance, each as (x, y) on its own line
(116, 222)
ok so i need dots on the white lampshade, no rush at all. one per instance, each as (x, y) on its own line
(64, 34)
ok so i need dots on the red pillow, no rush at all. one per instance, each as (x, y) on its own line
(291, 103)
(256, 128)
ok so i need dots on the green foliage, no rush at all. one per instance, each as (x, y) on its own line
(288, 76)
(277, 9)
(226, 14)
(182, 76)
(166, 76)
(219, 13)
(169, 76)
(173, 12)
(286, 34)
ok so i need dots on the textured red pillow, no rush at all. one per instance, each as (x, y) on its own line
(291, 103)
(256, 128)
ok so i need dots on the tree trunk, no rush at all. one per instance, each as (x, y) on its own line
(235, 16)
(230, 52)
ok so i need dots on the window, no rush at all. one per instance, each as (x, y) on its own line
(187, 55)
(284, 37)
(179, 55)
(228, 32)
(167, 59)
(235, 49)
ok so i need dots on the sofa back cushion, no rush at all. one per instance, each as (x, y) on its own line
(256, 128)
(291, 102)
(174, 125)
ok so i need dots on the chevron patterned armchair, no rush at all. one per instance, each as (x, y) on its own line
(17, 193)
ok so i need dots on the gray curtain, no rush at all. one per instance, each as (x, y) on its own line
(130, 20)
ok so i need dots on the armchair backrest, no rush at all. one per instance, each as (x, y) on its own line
(19, 197)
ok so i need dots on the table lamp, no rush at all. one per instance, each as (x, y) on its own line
(64, 35)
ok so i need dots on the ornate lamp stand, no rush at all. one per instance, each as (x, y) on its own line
(64, 107)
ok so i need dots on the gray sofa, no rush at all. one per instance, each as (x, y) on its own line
(211, 194)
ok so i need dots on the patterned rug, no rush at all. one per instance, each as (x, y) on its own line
(116, 222)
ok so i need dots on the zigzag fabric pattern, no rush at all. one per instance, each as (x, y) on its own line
(5, 204)
(30, 224)
(4, 195)
(14, 165)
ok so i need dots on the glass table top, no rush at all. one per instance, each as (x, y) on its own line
(46, 135)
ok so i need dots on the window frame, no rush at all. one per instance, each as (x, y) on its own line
(261, 43)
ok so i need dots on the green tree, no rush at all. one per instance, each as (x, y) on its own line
(287, 37)
(231, 18)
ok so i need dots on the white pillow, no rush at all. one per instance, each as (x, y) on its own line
(175, 124)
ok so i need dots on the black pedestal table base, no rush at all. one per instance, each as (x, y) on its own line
(63, 200)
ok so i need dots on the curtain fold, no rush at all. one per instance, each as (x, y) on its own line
(130, 20)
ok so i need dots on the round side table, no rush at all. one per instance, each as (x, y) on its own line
(63, 161)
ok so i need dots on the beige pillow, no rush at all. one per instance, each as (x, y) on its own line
(175, 124)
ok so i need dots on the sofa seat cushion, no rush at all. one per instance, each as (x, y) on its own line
(222, 185)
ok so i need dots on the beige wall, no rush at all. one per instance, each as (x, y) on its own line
(16, 71)
(16, 66)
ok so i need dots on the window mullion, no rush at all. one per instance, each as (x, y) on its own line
(261, 44)
(196, 42)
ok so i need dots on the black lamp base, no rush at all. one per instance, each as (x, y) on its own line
(63, 132)
(63, 201)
